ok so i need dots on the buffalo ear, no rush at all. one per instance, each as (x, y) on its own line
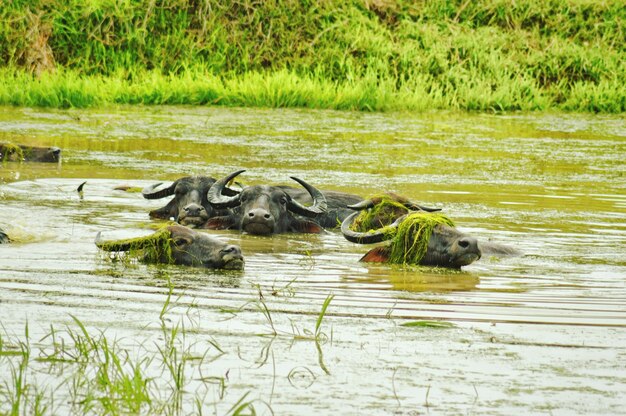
(377, 255)
(306, 227)
(218, 223)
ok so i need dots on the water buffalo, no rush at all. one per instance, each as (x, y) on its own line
(177, 244)
(190, 205)
(20, 153)
(341, 204)
(4, 238)
(265, 210)
(446, 246)
(385, 209)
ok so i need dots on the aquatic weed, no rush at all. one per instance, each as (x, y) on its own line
(154, 248)
(410, 241)
(11, 152)
(380, 215)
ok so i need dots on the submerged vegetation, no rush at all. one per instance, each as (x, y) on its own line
(376, 55)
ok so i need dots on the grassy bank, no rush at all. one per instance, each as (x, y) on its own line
(486, 55)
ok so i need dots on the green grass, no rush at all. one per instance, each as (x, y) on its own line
(81, 370)
(373, 55)
(77, 370)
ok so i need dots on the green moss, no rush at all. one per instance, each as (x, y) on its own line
(382, 214)
(155, 248)
(11, 151)
(410, 241)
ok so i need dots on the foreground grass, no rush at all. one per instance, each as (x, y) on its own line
(75, 370)
(376, 55)
(173, 371)
(78, 371)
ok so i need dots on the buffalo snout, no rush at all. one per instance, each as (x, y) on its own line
(193, 215)
(232, 257)
(259, 214)
(258, 221)
(465, 251)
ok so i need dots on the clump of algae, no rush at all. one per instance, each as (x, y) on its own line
(409, 240)
(11, 151)
(155, 248)
(380, 215)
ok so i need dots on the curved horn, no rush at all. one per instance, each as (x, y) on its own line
(216, 197)
(319, 201)
(149, 191)
(368, 203)
(415, 207)
(368, 237)
(111, 245)
(360, 206)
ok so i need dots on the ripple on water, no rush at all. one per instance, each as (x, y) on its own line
(536, 323)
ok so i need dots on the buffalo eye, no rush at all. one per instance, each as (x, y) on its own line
(228, 250)
(181, 241)
(180, 190)
(284, 200)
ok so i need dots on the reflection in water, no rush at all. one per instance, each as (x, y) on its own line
(424, 279)
(551, 186)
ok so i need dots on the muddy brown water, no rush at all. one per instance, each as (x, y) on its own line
(544, 333)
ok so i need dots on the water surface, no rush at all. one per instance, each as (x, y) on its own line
(544, 333)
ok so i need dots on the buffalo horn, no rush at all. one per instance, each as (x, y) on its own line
(149, 191)
(415, 207)
(217, 198)
(368, 203)
(368, 237)
(110, 245)
(319, 201)
(363, 205)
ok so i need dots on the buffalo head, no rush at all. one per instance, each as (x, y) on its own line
(180, 245)
(190, 205)
(445, 246)
(341, 205)
(264, 210)
(384, 209)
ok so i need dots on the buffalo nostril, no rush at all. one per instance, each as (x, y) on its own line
(464, 243)
(267, 216)
(186, 209)
(251, 214)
